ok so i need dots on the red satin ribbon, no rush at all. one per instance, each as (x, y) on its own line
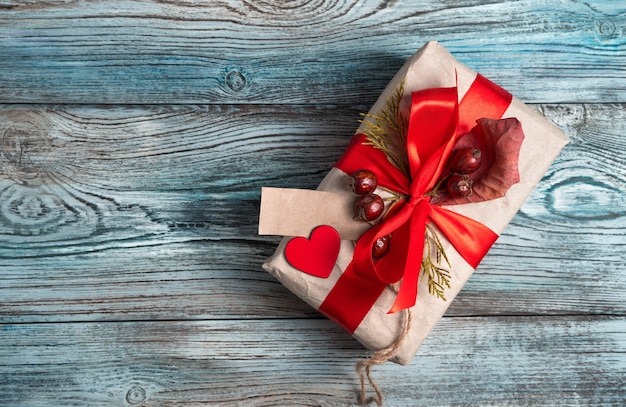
(436, 122)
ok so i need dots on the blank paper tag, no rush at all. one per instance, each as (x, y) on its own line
(296, 212)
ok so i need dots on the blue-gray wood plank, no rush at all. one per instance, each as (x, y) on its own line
(137, 135)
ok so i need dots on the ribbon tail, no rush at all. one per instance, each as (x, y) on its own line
(469, 237)
(407, 294)
(359, 287)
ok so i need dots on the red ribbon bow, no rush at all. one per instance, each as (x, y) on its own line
(436, 122)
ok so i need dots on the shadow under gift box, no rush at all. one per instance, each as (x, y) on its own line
(283, 212)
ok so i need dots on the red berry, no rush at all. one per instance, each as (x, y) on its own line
(368, 207)
(466, 160)
(363, 182)
(381, 247)
(460, 186)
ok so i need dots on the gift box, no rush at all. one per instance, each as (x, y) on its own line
(438, 233)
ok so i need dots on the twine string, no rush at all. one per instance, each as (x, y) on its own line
(364, 367)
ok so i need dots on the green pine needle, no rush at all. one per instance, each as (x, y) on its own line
(438, 277)
(387, 131)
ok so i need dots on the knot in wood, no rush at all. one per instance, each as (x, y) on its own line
(235, 80)
(22, 153)
(136, 395)
(606, 30)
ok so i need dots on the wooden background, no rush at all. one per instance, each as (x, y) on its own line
(136, 136)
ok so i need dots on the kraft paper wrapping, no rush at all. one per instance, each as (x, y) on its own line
(431, 67)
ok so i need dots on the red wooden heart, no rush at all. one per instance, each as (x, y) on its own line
(317, 255)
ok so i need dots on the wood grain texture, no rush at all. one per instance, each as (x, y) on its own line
(172, 194)
(466, 361)
(135, 137)
(340, 52)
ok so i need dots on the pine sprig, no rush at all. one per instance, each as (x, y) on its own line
(387, 130)
(438, 277)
